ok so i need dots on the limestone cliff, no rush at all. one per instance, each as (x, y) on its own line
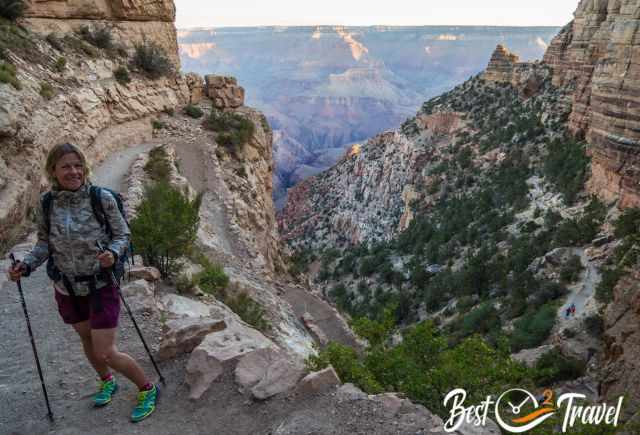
(66, 90)
(596, 56)
(131, 21)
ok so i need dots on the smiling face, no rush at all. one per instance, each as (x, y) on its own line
(69, 172)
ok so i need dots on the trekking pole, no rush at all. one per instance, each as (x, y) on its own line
(33, 343)
(135, 324)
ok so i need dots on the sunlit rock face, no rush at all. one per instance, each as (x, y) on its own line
(325, 88)
(596, 55)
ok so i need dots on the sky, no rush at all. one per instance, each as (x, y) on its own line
(205, 13)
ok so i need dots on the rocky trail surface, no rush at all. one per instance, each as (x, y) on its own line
(224, 409)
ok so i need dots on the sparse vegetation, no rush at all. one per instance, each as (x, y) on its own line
(233, 130)
(100, 36)
(193, 111)
(158, 166)
(157, 124)
(11, 9)
(61, 64)
(79, 45)
(46, 91)
(121, 74)
(553, 367)
(8, 75)
(152, 59)
(55, 42)
(165, 226)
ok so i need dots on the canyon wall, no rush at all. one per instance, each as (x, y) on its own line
(597, 56)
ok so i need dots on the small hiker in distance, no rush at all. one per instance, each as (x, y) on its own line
(84, 290)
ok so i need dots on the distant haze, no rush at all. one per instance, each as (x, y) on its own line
(204, 13)
(324, 88)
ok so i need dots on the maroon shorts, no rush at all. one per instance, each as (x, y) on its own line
(107, 318)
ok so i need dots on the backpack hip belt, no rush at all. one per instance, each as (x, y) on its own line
(94, 292)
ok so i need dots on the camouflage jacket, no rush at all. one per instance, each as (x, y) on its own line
(72, 236)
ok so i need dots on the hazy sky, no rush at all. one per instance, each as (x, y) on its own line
(206, 13)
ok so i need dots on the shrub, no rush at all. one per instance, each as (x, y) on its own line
(628, 224)
(169, 111)
(60, 64)
(533, 328)
(249, 310)
(80, 45)
(152, 59)
(554, 367)
(604, 290)
(158, 166)
(11, 9)
(193, 111)
(8, 75)
(566, 167)
(99, 37)
(121, 74)
(158, 125)
(212, 279)
(46, 91)
(165, 226)
(570, 271)
(233, 130)
(54, 41)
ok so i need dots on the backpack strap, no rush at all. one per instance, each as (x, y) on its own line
(46, 201)
(95, 193)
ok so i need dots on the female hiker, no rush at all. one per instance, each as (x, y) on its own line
(87, 298)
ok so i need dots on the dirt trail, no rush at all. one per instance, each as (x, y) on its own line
(70, 379)
(583, 292)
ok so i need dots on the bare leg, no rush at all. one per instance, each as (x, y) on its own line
(84, 331)
(104, 347)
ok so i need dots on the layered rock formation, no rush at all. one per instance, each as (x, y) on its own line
(131, 21)
(596, 55)
(621, 372)
(224, 91)
(86, 104)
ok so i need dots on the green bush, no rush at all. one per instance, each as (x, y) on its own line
(46, 91)
(604, 290)
(628, 224)
(11, 9)
(60, 64)
(193, 111)
(533, 328)
(8, 75)
(79, 45)
(152, 59)
(249, 310)
(165, 226)
(233, 130)
(158, 166)
(121, 74)
(554, 367)
(157, 124)
(99, 37)
(571, 270)
(565, 166)
(212, 279)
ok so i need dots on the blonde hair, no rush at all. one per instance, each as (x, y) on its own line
(56, 153)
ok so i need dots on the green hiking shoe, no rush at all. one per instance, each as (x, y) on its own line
(106, 390)
(146, 404)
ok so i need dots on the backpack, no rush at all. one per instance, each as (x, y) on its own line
(95, 193)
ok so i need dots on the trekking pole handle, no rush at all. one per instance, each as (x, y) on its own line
(99, 246)
(13, 259)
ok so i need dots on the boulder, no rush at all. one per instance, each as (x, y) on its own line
(267, 372)
(319, 381)
(218, 348)
(224, 91)
(489, 428)
(349, 392)
(184, 334)
(139, 295)
(150, 274)
(180, 307)
(196, 87)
